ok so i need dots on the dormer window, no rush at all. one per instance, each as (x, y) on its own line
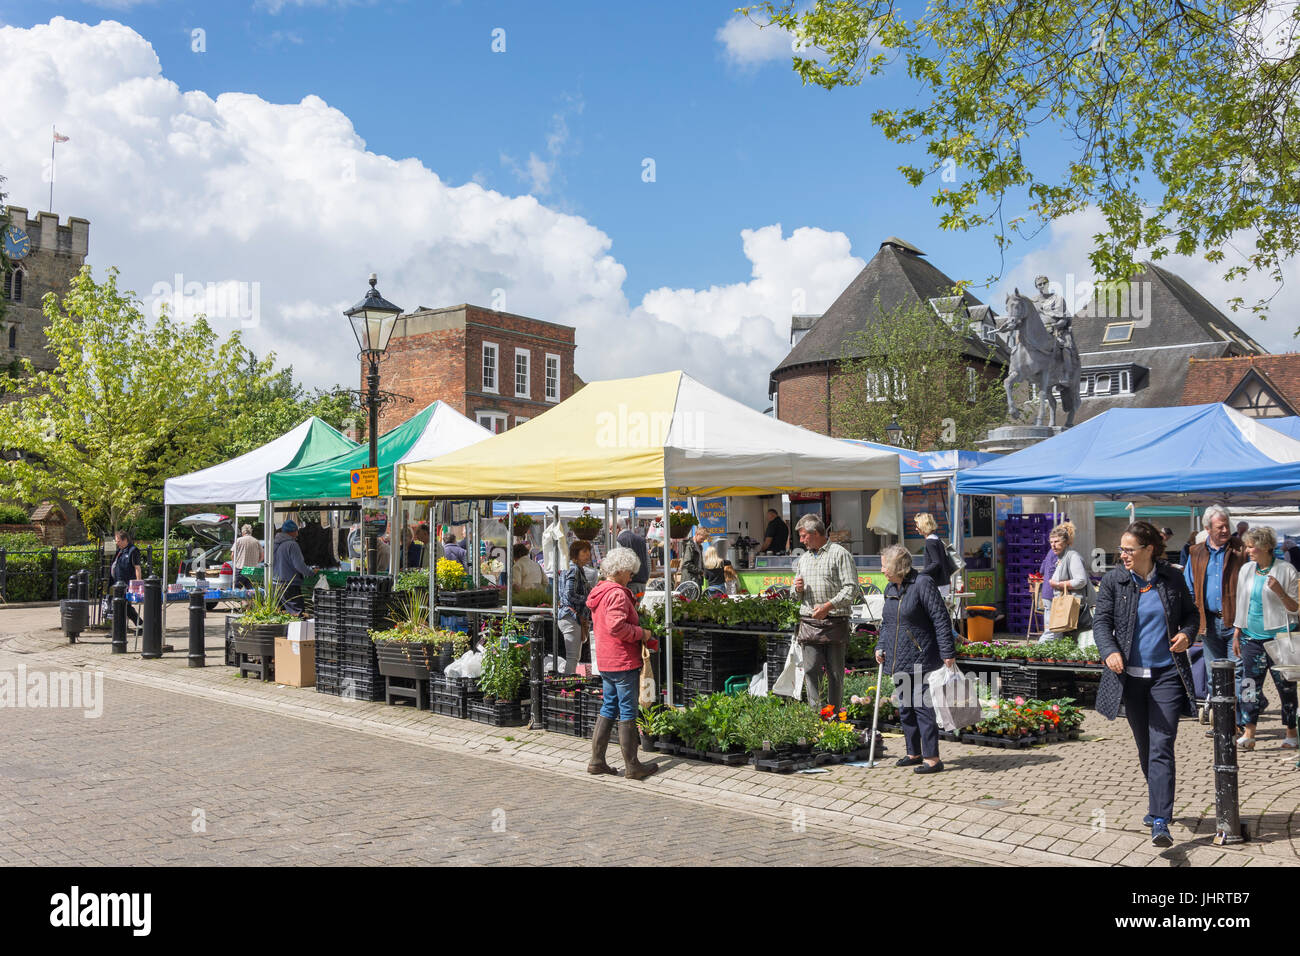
(1117, 333)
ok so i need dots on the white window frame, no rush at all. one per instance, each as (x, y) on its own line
(1109, 378)
(551, 396)
(527, 356)
(496, 367)
(520, 419)
(492, 420)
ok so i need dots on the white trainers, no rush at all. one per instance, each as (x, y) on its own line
(1290, 743)
(1246, 743)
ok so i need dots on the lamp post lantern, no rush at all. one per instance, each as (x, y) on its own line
(373, 320)
(894, 432)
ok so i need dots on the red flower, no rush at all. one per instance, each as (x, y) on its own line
(827, 711)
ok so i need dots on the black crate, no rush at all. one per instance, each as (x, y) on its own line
(500, 713)
(707, 642)
(475, 598)
(570, 724)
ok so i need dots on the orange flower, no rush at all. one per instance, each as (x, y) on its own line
(827, 711)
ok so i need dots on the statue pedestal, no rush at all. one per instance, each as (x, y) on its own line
(1012, 438)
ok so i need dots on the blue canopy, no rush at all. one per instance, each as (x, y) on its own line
(922, 467)
(1194, 454)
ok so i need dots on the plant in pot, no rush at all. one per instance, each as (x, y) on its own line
(504, 671)
(411, 648)
(680, 522)
(261, 622)
(654, 722)
(414, 579)
(451, 575)
(522, 523)
(839, 737)
(586, 526)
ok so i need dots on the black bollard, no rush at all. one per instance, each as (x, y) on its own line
(83, 585)
(1227, 819)
(119, 618)
(198, 610)
(537, 650)
(151, 645)
(72, 587)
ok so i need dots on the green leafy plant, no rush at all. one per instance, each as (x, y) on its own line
(532, 597)
(265, 607)
(860, 694)
(414, 579)
(504, 670)
(655, 721)
(680, 522)
(12, 514)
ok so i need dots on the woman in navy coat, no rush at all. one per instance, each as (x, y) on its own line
(1143, 622)
(915, 639)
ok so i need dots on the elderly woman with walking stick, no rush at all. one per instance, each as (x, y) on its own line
(915, 639)
(1144, 620)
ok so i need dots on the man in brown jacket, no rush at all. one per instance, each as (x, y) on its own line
(1211, 576)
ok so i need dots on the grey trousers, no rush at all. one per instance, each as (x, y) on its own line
(824, 660)
(572, 632)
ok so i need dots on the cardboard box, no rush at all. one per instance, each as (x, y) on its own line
(295, 662)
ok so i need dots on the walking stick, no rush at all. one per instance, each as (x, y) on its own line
(875, 718)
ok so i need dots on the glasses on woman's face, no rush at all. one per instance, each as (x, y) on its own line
(1132, 551)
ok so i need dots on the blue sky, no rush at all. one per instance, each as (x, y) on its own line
(582, 95)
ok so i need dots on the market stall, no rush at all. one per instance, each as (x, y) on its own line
(244, 480)
(1188, 456)
(662, 434)
(434, 430)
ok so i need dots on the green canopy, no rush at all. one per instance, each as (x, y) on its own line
(1119, 509)
(436, 430)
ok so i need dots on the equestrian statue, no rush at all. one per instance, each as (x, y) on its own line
(1043, 352)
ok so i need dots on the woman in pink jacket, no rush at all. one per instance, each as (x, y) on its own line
(618, 637)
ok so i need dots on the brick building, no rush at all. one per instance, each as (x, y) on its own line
(1259, 386)
(42, 256)
(497, 368)
(809, 381)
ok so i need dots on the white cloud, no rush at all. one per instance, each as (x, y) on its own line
(539, 172)
(284, 199)
(748, 45)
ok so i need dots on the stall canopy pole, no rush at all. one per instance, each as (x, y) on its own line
(668, 602)
(166, 528)
(555, 588)
(268, 531)
(609, 530)
(510, 561)
(431, 552)
(394, 531)
(471, 552)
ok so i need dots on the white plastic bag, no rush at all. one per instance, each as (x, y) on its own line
(955, 699)
(1284, 650)
(469, 664)
(758, 684)
(790, 683)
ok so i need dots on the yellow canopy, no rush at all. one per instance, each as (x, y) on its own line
(636, 436)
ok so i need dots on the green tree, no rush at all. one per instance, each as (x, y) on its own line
(938, 381)
(1179, 119)
(271, 403)
(128, 404)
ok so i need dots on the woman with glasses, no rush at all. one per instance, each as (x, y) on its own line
(1266, 601)
(1143, 622)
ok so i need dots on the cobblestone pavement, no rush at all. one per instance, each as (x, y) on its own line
(162, 778)
(1073, 803)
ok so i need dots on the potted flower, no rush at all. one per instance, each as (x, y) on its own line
(411, 648)
(523, 523)
(586, 526)
(680, 522)
(504, 678)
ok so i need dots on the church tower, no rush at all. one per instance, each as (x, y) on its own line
(42, 257)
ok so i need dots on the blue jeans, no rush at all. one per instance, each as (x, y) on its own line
(1251, 700)
(622, 690)
(1218, 647)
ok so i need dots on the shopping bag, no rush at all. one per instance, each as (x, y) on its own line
(1064, 615)
(758, 684)
(790, 683)
(955, 698)
(648, 697)
(1284, 650)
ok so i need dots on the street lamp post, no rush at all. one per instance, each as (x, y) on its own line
(373, 320)
(894, 432)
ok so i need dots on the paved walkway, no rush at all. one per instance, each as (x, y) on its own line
(1075, 803)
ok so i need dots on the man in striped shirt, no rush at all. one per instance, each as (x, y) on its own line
(826, 583)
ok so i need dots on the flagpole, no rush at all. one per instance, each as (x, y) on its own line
(53, 131)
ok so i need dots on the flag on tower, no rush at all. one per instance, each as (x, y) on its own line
(59, 137)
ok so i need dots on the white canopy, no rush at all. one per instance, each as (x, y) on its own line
(243, 479)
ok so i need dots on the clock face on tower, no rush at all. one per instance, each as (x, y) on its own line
(17, 243)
